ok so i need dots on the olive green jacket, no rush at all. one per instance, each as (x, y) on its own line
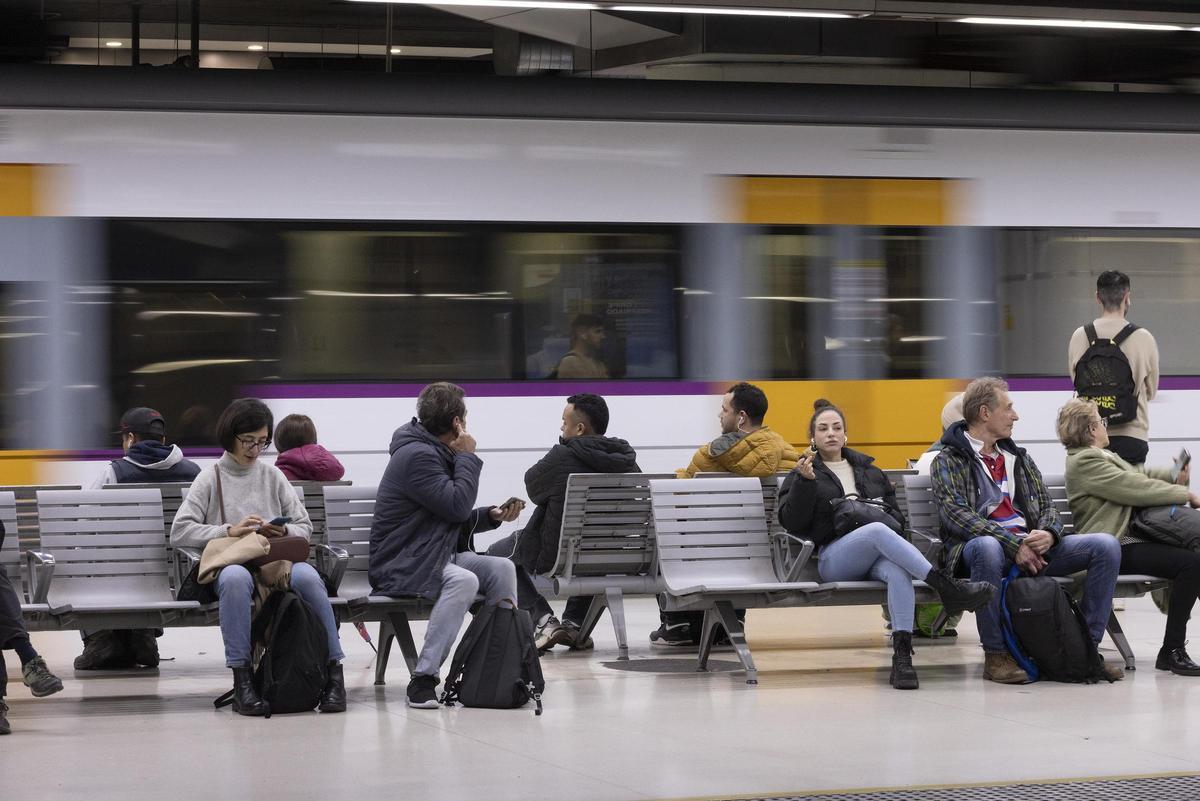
(1104, 490)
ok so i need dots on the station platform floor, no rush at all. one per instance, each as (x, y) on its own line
(821, 720)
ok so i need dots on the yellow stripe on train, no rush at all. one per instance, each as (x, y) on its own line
(782, 200)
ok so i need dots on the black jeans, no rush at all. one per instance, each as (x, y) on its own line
(1131, 449)
(528, 598)
(1170, 562)
(12, 626)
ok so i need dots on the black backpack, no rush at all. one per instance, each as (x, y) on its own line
(496, 665)
(294, 666)
(1103, 375)
(1045, 631)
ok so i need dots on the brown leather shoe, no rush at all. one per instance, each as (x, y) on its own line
(1113, 672)
(1003, 669)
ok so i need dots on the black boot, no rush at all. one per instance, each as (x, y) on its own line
(958, 595)
(1177, 661)
(333, 697)
(245, 697)
(904, 675)
(5, 728)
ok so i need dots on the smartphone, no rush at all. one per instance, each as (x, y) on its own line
(279, 521)
(513, 501)
(1181, 461)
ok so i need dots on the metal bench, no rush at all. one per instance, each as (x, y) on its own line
(715, 553)
(923, 511)
(349, 513)
(110, 560)
(35, 611)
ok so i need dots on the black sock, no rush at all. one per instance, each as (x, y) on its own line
(25, 650)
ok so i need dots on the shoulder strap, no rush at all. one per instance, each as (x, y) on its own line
(1089, 330)
(1006, 628)
(1124, 333)
(220, 494)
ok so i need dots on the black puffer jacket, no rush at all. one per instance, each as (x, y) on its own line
(546, 483)
(804, 508)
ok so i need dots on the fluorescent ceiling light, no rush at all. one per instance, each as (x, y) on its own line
(494, 3)
(1072, 23)
(396, 51)
(112, 44)
(254, 47)
(739, 12)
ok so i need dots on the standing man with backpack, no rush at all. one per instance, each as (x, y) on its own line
(1115, 363)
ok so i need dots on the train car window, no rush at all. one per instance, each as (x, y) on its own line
(788, 296)
(23, 323)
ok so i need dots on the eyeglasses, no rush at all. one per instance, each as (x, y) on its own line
(250, 443)
(1102, 422)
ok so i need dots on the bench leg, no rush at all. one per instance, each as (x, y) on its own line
(737, 636)
(1118, 637)
(592, 616)
(386, 635)
(616, 610)
(404, 638)
(707, 633)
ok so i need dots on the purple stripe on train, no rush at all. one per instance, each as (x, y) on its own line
(522, 389)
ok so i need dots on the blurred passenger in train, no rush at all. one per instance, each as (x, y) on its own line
(583, 448)
(1109, 495)
(148, 460)
(991, 499)
(951, 414)
(746, 447)
(1129, 439)
(13, 635)
(875, 550)
(237, 496)
(421, 538)
(583, 360)
(300, 457)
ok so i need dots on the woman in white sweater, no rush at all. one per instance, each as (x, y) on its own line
(238, 496)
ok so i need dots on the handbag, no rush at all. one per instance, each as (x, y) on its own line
(288, 548)
(851, 512)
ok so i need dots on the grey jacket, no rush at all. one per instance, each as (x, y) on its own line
(423, 513)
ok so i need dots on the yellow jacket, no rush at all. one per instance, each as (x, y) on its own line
(759, 453)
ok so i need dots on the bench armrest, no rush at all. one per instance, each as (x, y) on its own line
(931, 547)
(788, 568)
(332, 563)
(41, 574)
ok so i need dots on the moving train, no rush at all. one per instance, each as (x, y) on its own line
(332, 259)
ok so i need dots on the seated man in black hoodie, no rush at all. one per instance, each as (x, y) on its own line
(148, 460)
(583, 448)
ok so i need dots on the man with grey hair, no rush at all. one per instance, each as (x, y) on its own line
(1110, 352)
(993, 503)
(421, 537)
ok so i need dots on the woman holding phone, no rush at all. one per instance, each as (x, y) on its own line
(242, 494)
(1105, 493)
(828, 472)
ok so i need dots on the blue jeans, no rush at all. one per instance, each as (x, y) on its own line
(464, 575)
(1098, 554)
(235, 589)
(875, 551)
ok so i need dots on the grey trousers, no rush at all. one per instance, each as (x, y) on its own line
(466, 574)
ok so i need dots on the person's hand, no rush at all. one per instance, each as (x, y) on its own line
(1185, 475)
(508, 512)
(1040, 541)
(248, 526)
(804, 466)
(1028, 560)
(270, 532)
(462, 442)
(1194, 500)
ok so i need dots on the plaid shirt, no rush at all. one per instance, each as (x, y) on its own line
(953, 475)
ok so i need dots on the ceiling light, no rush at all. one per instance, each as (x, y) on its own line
(740, 12)
(495, 3)
(395, 51)
(112, 44)
(254, 47)
(1072, 23)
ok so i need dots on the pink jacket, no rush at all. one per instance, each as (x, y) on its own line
(310, 463)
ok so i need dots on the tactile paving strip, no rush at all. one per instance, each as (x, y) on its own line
(1158, 788)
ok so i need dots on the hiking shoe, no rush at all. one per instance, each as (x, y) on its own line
(551, 633)
(143, 647)
(675, 635)
(102, 650)
(1113, 672)
(38, 678)
(5, 728)
(574, 643)
(1177, 661)
(421, 693)
(1003, 669)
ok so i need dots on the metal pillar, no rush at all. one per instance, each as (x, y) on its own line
(387, 42)
(135, 24)
(195, 34)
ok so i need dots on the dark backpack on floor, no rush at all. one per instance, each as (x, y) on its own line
(1045, 631)
(1169, 525)
(1103, 374)
(496, 665)
(294, 666)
